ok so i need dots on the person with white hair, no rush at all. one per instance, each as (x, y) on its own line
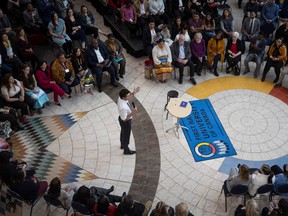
(198, 49)
(234, 50)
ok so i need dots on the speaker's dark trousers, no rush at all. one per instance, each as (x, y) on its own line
(125, 133)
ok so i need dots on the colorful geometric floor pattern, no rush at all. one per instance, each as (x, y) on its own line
(209, 87)
(30, 145)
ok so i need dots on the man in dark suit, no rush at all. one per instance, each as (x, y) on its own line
(148, 37)
(98, 61)
(181, 57)
(256, 54)
(250, 27)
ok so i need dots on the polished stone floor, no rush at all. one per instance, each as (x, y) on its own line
(253, 114)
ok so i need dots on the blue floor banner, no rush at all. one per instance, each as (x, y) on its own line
(206, 136)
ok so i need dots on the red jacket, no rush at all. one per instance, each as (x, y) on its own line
(116, 4)
(43, 80)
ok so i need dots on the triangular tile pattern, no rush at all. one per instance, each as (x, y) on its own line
(30, 145)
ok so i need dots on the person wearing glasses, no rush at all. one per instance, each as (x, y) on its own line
(277, 56)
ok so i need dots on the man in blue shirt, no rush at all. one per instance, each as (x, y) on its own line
(270, 13)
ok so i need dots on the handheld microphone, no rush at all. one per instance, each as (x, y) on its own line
(133, 104)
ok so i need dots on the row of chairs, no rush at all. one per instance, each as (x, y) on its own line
(15, 197)
(242, 190)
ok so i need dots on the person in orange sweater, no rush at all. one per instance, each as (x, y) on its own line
(63, 73)
(277, 56)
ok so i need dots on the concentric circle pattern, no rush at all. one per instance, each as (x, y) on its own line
(254, 121)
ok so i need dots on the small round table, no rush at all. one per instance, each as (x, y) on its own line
(179, 112)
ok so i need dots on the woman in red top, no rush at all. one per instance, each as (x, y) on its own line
(104, 207)
(234, 50)
(43, 76)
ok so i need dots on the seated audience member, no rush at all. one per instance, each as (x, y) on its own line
(251, 208)
(196, 24)
(88, 22)
(179, 7)
(8, 52)
(64, 193)
(115, 50)
(10, 114)
(63, 73)
(57, 30)
(250, 27)
(5, 25)
(46, 7)
(185, 31)
(13, 95)
(73, 28)
(209, 27)
(238, 175)
(162, 209)
(24, 48)
(282, 76)
(181, 57)
(198, 50)
(45, 82)
(255, 54)
(277, 56)
(8, 167)
(62, 6)
(162, 59)
(227, 23)
(251, 5)
(105, 207)
(211, 6)
(98, 61)
(4, 68)
(270, 13)
(165, 32)
(281, 177)
(79, 62)
(176, 27)
(115, 6)
(280, 209)
(234, 50)
(215, 52)
(33, 94)
(157, 12)
(149, 35)
(129, 207)
(142, 12)
(282, 32)
(129, 17)
(261, 177)
(14, 12)
(89, 196)
(182, 210)
(283, 14)
(29, 189)
(32, 21)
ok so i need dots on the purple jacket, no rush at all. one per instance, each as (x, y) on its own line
(198, 49)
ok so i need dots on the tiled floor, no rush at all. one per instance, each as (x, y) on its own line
(253, 114)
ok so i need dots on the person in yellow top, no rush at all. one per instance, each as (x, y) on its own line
(277, 57)
(215, 51)
(63, 73)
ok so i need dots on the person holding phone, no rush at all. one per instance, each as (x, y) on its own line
(126, 111)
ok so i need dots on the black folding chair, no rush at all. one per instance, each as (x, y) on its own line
(238, 190)
(54, 202)
(82, 209)
(19, 198)
(263, 190)
(282, 190)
